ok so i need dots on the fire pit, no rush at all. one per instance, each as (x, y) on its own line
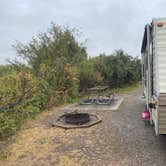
(76, 120)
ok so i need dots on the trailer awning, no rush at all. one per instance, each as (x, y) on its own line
(144, 42)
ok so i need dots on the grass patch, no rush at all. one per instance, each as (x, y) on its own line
(127, 88)
(124, 89)
(4, 153)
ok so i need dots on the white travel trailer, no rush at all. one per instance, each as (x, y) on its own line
(154, 73)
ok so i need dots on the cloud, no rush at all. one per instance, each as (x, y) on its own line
(107, 25)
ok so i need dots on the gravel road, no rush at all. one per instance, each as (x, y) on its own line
(121, 139)
(137, 143)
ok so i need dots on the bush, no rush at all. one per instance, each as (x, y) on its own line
(88, 76)
(54, 58)
(46, 48)
(20, 98)
(61, 82)
(118, 69)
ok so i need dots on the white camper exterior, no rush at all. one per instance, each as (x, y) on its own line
(154, 72)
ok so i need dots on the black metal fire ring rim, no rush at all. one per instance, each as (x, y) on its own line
(70, 126)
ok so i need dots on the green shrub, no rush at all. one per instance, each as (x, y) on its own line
(20, 98)
(61, 81)
(54, 58)
(118, 69)
(88, 76)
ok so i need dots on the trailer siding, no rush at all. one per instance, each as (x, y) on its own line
(161, 54)
(160, 38)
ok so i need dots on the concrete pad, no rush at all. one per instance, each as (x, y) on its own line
(112, 107)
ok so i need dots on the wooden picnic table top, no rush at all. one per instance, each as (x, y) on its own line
(98, 88)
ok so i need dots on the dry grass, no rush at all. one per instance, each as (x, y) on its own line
(37, 144)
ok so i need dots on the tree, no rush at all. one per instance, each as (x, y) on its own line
(118, 69)
(88, 76)
(46, 48)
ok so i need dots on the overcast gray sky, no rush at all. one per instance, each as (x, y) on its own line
(106, 24)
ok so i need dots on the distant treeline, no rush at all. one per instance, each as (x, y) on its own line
(57, 69)
(116, 70)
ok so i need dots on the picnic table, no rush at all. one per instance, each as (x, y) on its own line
(97, 90)
(100, 97)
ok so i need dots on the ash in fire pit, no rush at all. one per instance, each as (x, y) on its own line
(76, 120)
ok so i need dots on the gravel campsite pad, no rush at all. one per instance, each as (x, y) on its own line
(121, 139)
